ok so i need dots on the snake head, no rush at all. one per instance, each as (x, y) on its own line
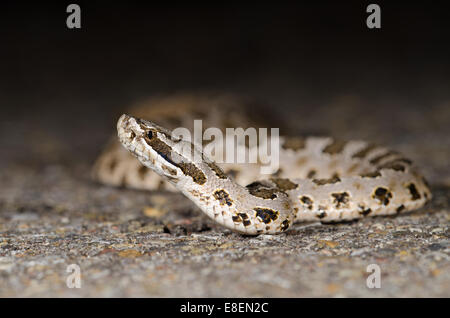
(130, 129)
(153, 145)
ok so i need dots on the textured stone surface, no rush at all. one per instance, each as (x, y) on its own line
(133, 243)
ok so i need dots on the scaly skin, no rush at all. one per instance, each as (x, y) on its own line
(347, 180)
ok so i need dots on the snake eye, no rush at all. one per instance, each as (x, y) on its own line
(150, 134)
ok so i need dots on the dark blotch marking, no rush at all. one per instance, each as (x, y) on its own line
(397, 164)
(307, 201)
(363, 152)
(159, 146)
(294, 143)
(335, 176)
(191, 170)
(371, 174)
(244, 216)
(383, 195)
(334, 179)
(393, 166)
(266, 215)
(219, 172)
(311, 174)
(364, 211)
(335, 147)
(340, 199)
(236, 218)
(285, 225)
(381, 157)
(284, 184)
(404, 160)
(415, 195)
(321, 214)
(260, 190)
(223, 197)
(165, 150)
(400, 208)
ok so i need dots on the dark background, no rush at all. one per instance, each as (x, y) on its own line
(298, 56)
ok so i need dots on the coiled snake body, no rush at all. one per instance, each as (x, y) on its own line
(320, 179)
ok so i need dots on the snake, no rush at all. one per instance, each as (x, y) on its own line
(319, 178)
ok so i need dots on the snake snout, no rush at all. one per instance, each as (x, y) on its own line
(123, 122)
(126, 129)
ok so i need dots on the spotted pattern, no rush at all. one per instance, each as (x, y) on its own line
(192, 171)
(400, 208)
(415, 195)
(165, 151)
(341, 199)
(379, 158)
(333, 179)
(397, 165)
(245, 219)
(365, 151)
(345, 179)
(311, 174)
(219, 172)
(321, 212)
(266, 215)
(371, 174)
(383, 195)
(284, 184)
(335, 147)
(364, 211)
(223, 197)
(262, 190)
(307, 201)
(285, 225)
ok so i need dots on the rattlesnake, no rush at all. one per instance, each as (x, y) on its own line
(320, 178)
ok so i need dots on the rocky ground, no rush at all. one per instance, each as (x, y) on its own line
(134, 243)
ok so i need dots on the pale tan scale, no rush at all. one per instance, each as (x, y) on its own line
(320, 178)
